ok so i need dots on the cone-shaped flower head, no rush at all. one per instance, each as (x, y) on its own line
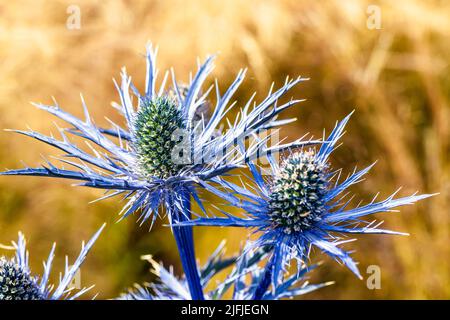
(302, 204)
(154, 127)
(18, 283)
(167, 147)
(298, 192)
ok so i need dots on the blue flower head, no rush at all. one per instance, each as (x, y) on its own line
(303, 205)
(166, 148)
(18, 283)
(167, 145)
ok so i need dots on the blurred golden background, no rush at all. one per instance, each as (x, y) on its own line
(397, 79)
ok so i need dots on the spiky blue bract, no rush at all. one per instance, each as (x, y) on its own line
(248, 275)
(303, 205)
(132, 160)
(242, 281)
(170, 287)
(18, 283)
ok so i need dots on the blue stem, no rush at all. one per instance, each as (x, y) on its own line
(265, 281)
(185, 242)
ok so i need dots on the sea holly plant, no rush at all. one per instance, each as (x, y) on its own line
(169, 151)
(301, 205)
(17, 282)
(166, 150)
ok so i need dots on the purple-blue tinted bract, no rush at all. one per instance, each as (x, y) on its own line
(302, 205)
(242, 281)
(113, 165)
(134, 160)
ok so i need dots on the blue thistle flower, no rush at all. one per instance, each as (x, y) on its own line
(18, 283)
(302, 207)
(134, 161)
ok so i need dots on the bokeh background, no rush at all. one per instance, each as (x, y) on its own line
(397, 79)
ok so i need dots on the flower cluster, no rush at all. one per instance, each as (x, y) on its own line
(169, 148)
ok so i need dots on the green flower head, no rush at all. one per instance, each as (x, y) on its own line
(298, 190)
(155, 124)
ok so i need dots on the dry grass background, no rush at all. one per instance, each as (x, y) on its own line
(397, 78)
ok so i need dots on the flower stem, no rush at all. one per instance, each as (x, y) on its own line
(185, 244)
(265, 281)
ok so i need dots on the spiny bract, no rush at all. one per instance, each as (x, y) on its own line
(306, 205)
(16, 282)
(156, 123)
(296, 200)
(136, 159)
